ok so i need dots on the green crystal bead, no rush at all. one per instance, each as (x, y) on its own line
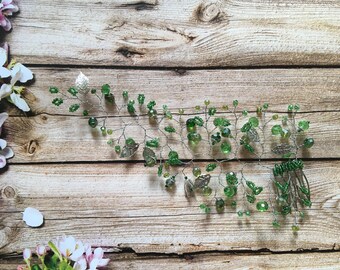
(265, 106)
(207, 210)
(110, 142)
(93, 122)
(290, 107)
(259, 110)
(196, 171)
(285, 133)
(130, 142)
(203, 206)
(302, 214)
(221, 122)
(219, 203)
(199, 121)
(191, 125)
(304, 125)
(257, 190)
(74, 107)
(307, 202)
(276, 224)
(231, 179)
(251, 185)
(254, 121)
(225, 107)
(225, 132)
(194, 137)
(57, 101)
(245, 140)
(197, 107)
(93, 91)
(225, 148)
(130, 107)
(207, 191)
(308, 142)
(110, 131)
(286, 210)
(152, 113)
(106, 89)
(251, 198)
(160, 170)
(275, 117)
(54, 90)
(153, 143)
(295, 228)
(296, 107)
(249, 148)
(233, 204)
(151, 104)
(125, 94)
(85, 112)
(173, 158)
(246, 127)
(210, 167)
(240, 213)
(276, 130)
(235, 103)
(247, 213)
(207, 102)
(73, 91)
(212, 111)
(215, 138)
(262, 206)
(181, 111)
(141, 99)
(230, 191)
(244, 112)
(118, 149)
(170, 129)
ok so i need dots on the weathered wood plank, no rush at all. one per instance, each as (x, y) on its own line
(178, 33)
(313, 89)
(46, 138)
(115, 205)
(213, 261)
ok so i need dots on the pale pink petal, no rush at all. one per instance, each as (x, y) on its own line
(98, 253)
(7, 152)
(94, 264)
(19, 102)
(27, 254)
(2, 162)
(3, 56)
(78, 252)
(103, 262)
(24, 73)
(3, 118)
(80, 264)
(5, 91)
(3, 144)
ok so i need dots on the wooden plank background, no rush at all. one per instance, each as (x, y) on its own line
(254, 51)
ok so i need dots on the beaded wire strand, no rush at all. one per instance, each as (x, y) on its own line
(221, 135)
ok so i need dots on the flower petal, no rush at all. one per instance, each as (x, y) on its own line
(3, 56)
(21, 73)
(3, 144)
(5, 90)
(4, 72)
(80, 264)
(33, 217)
(19, 102)
(3, 118)
(7, 152)
(103, 262)
(79, 251)
(2, 161)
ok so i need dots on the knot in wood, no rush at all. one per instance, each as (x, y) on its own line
(9, 192)
(32, 147)
(208, 11)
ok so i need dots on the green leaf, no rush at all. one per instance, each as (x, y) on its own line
(54, 249)
(35, 267)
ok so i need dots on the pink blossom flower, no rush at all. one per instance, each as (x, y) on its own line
(27, 254)
(70, 248)
(7, 8)
(41, 250)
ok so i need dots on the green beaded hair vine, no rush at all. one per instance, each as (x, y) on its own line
(218, 134)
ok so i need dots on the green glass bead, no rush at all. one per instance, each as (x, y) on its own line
(244, 112)
(141, 99)
(191, 125)
(265, 106)
(245, 140)
(251, 198)
(203, 206)
(125, 94)
(212, 111)
(103, 129)
(290, 107)
(170, 129)
(93, 122)
(296, 107)
(275, 117)
(106, 89)
(235, 103)
(130, 142)
(93, 91)
(207, 210)
(199, 121)
(196, 171)
(207, 102)
(173, 158)
(246, 127)
(110, 142)
(221, 122)
(302, 214)
(151, 104)
(251, 185)
(130, 106)
(160, 170)
(194, 137)
(225, 107)
(73, 91)
(249, 148)
(197, 107)
(233, 204)
(54, 90)
(254, 121)
(207, 191)
(259, 110)
(74, 107)
(225, 148)
(295, 228)
(225, 132)
(286, 210)
(229, 191)
(166, 174)
(109, 131)
(118, 149)
(285, 133)
(215, 138)
(152, 113)
(210, 167)
(262, 206)
(85, 112)
(219, 203)
(181, 111)
(276, 130)
(308, 142)
(247, 213)
(153, 143)
(276, 224)
(307, 202)
(57, 101)
(231, 179)
(257, 190)
(304, 125)
(240, 213)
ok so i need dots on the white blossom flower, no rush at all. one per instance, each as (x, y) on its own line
(5, 152)
(27, 254)
(70, 248)
(7, 8)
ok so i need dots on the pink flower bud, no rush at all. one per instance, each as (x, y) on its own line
(27, 254)
(41, 250)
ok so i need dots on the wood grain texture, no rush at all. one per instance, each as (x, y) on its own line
(216, 261)
(178, 33)
(126, 206)
(313, 89)
(46, 138)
